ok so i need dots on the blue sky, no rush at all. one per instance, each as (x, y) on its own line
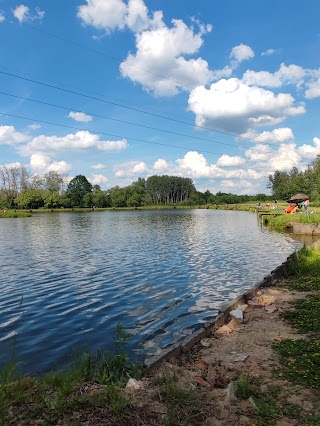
(224, 92)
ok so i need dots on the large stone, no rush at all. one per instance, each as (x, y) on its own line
(133, 385)
(233, 324)
(222, 331)
(270, 309)
(237, 314)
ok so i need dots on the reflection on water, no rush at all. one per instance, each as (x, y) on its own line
(67, 279)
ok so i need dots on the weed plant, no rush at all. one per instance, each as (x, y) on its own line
(50, 399)
(184, 405)
(270, 407)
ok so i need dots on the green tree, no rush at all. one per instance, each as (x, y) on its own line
(87, 199)
(53, 181)
(118, 197)
(78, 187)
(31, 199)
(52, 199)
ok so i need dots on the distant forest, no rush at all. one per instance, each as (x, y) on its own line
(20, 189)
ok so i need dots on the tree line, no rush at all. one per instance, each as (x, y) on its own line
(20, 189)
(285, 184)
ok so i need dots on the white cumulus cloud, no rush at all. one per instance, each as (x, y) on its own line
(80, 116)
(98, 179)
(310, 152)
(287, 74)
(79, 141)
(196, 166)
(161, 165)
(230, 160)
(102, 14)
(34, 126)
(159, 65)
(41, 164)
(99, 166)
(22, 14)
(313, 90)
(280, 135)
(241, 53)
(2, 17)
(115, 14)
(233, 106)
(131, 168)
(285, 158)
(9, 136)
(259, 153)
(268, 52)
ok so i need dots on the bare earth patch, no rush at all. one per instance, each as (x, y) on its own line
(242, 351)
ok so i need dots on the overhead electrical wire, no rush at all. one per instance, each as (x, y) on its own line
(123, 106)
(109, 57)
(103, 133)
(12, 70)
(117, 120)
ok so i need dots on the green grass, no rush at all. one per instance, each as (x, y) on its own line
(305, 315)
(271, 404)
(303, 283)
(306, 265)
(13, 214)
(185, 406)
(301, 358)
(301, 361)
(282, 222)
(245, 388)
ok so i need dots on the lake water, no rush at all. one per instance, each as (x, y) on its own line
(67, 279)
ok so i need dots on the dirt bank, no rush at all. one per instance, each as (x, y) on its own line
(242, 351)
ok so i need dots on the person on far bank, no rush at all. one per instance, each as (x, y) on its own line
(306, 205)
(291, 209)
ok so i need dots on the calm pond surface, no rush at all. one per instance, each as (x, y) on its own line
(67, 279)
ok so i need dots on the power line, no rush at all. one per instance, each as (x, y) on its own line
(103, 133)
(123, 106)
(13, 70)
(116, 119)
(90, 49)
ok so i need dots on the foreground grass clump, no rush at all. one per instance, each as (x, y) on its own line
(270, 407)
(184, 405)
(92, 385)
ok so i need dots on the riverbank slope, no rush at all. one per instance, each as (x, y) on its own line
(262, 370)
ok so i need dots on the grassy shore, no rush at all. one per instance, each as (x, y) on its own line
(14, 213)
(282, 222)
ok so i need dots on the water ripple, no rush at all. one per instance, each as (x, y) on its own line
(67, 279)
